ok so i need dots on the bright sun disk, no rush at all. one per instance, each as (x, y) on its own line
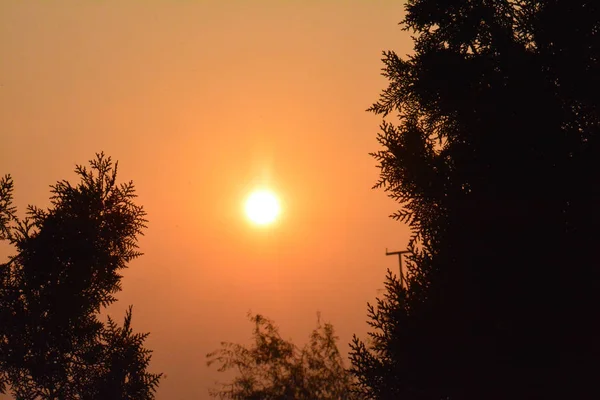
(262, 207)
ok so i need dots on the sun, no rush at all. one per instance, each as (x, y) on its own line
(262, 207)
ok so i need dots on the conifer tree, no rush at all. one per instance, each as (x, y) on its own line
(65, 271)
(494, 160)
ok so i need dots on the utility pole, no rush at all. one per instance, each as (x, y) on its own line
(400, 262)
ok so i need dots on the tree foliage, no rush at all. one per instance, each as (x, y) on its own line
(66, 270)
(493, 159)
(273, 368)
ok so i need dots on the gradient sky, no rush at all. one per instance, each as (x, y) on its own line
(200, 101)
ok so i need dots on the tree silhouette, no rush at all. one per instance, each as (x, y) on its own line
(494, 161)
(65, 271)
(273, 368)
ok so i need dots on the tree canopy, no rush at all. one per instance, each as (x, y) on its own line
(66, 270)
(493, 159)
(273, 368)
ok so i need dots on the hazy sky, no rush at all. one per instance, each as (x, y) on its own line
(200, 101)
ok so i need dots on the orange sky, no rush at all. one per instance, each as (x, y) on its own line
(199, 101)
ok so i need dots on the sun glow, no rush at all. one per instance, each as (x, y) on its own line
(262, 207)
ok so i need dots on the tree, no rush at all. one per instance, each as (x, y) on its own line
(493, 159)
(273, 368)
(65, 271)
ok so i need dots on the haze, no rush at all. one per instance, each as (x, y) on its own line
(199, 101)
